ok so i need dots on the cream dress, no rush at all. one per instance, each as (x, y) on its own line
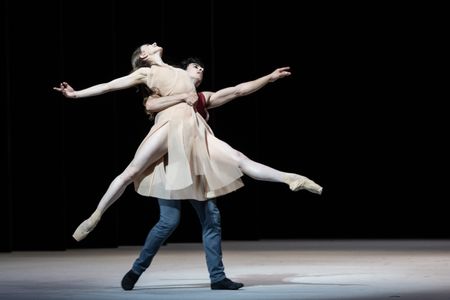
(196, 165)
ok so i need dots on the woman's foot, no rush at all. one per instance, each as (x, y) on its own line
(298, 182)
(87, 226)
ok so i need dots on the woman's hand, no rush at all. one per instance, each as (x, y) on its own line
(66, 90)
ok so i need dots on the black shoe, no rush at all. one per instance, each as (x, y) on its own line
(129, 280)
(226, 284)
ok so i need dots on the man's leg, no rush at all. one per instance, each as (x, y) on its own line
(209, 216)
(168, 221)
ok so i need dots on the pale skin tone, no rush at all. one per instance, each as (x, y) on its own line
(214, 99)
(155, 146)
(151, 149)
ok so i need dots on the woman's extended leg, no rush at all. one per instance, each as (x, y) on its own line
(259, 171)
(151, 149)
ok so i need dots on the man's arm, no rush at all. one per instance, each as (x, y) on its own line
(156, 103)
(227, 94)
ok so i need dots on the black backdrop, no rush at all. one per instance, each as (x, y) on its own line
(360, 115)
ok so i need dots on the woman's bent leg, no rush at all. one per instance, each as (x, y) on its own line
(151, 149)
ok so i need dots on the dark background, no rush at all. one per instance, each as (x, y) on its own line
(361, 115)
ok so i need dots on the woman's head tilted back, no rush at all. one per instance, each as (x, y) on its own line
(145, 55)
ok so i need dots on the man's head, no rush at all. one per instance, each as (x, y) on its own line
(194, 67)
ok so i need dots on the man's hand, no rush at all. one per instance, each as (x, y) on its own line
(191, 99)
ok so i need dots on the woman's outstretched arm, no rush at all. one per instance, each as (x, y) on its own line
(137, 77)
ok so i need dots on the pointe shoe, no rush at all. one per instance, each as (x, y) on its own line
(87, 226)
(298, 182)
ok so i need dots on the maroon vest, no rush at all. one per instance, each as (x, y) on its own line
(200, 106)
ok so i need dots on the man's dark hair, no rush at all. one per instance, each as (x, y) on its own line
(191, 60)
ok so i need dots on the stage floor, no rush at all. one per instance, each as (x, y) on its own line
(270, 269)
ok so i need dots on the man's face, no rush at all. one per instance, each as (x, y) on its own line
(195, 71)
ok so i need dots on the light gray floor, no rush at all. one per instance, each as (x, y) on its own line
(299, 269)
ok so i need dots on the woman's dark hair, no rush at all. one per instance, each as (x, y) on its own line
(150, 114)
(136, 63)
(191, 60)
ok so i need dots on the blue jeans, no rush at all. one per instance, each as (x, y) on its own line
(169, 218)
